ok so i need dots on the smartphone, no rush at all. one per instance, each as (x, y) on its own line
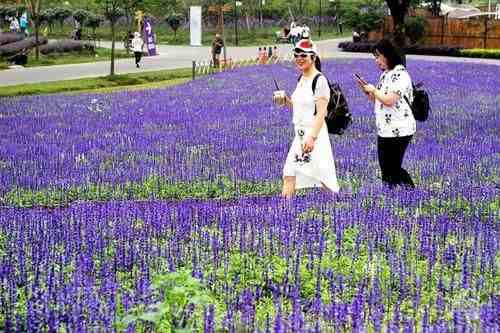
(359, 78)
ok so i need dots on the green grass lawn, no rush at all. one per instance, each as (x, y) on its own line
(102, 84)
(101, 54)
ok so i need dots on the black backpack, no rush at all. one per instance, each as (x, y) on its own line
(420, 106)
(338, 117)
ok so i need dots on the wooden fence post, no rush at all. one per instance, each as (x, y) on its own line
(442, 30)
(485, 31)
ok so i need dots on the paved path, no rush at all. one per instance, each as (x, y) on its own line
(171, 57)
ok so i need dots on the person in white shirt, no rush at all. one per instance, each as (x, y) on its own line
(137, 45)
(309, 162)
(14, 25)
(394, 118)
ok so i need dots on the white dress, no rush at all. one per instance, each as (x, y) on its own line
(310, 170)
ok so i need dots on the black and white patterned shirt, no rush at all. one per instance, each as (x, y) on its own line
(396, 120)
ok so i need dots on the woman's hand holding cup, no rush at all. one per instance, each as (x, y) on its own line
(280, 97)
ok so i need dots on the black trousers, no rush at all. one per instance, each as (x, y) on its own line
(138, 56)
(390, 157)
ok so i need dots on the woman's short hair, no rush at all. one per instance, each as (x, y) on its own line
(386, 48)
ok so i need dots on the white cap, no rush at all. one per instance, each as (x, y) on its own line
(305, 45)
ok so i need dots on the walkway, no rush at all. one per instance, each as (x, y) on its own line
(172, 57)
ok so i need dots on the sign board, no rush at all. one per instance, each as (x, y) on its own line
(149, 37)
(195, 25)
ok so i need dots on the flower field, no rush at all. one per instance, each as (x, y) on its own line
(159, 211)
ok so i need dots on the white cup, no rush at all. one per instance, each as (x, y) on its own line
(279, 97)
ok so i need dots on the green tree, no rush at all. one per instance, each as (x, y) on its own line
(35, 9)
(61, 14)
(48, 16)
(399, 10)
(112, 10)
(81, 15)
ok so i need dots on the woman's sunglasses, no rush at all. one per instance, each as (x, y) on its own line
(301, 55)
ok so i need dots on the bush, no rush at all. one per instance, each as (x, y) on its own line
(453, 51)
(415, 28)
(364, 15)
(356, 47)
(14, 48)
(481, 53)
(414, 49)
(10, 37)
(66, 45)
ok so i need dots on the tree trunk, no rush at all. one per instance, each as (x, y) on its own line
(398, 12)
(247, 21)
(37, 47)
(112, 70)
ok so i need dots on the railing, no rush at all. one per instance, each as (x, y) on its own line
(207, 67)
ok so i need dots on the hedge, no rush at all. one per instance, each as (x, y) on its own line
(14, 48)
(10, 37)
(66, 45)
(481, 53)
(424, 50)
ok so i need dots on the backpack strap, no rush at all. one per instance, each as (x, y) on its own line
(314, 83)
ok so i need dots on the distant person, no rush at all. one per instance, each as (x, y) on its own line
(295, 32)
(339, 26)
(286, 33)
(14, 24)
(355, 37)
(276, 56)
(137, 46)
(269, 52)
(394, 118)
(23, 24)
(217, 45)
(264, 55)
(20, 59)
(306, 32)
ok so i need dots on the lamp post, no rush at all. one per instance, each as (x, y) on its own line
(236, 5)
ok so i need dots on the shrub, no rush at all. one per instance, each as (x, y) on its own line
(66, 45)
(413, 49)
(415, 28)
(10, 37)
(364, 15)
(14, 48)
(481, 53)
(356, 47)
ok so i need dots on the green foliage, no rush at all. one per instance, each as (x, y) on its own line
(151, 187)
(100, 84)
(61, 14)
(94, 21)
(48, 16)
(481, 53)
(176, 292)
(415, 28)
(81, 15)
(364, 14)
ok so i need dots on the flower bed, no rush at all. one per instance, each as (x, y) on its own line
(200, 238)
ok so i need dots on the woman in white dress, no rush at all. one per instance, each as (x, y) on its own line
(310, 159)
